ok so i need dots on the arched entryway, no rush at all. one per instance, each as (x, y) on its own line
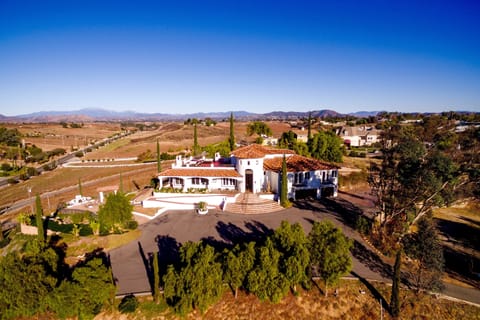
(248, 180)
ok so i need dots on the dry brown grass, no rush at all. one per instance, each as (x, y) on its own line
(349, 304)
(456, 213)
(49, 136)
(66, 180)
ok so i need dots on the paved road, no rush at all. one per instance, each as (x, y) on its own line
(166, 232)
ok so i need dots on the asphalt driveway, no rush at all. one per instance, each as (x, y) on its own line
(164, 234)
(130, 263)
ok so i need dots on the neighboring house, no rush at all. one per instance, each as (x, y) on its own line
(301, 135)
(253, 168)
(359, 136)
(270, 141)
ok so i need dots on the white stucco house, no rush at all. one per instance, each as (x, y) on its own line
(359, 136)
(253, 168)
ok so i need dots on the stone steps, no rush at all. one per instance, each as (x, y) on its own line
(252, 204)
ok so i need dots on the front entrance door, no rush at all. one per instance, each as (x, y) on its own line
(249, 180)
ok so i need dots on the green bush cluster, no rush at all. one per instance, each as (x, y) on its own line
(268, 268)
(38, 283)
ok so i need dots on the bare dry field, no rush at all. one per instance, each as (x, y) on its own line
(177, 137)
(66, 180)
(49, 136)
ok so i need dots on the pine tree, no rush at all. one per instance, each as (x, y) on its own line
(159, 160)
(291, 241)
(266, 280)
(284, 187)
(231, 139)
(395, 298)
(39, 219)
(237, 264)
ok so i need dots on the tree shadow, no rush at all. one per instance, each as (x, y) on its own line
(60, 247)
(376, 294)
(463, 234)
(371, 260)
(231, 234)
(462, 266)
(317, 286)
(472, 221)
(308, 204)
(218, 245)
(345, 211)
(147, 264)
(258, 231)
(168, 252)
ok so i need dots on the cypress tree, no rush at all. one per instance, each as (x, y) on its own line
(195, 141)
(284, 187)
(159, 164)
(309, 126)
(231, 139)
(39, 220)
(395, 298)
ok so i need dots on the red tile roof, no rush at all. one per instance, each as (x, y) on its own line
(255, 151)
(297, 163)
(200, 172)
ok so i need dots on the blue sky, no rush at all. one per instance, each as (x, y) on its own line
(259, 56)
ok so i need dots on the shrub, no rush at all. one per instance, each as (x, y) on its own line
(85, 230)
(12, 181)
(363, 225)
(132, 225)
(50, 166)
(128, 304)
(79, 154)
(202, 205)
(31, 171)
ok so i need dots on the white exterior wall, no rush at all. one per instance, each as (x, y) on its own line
(213, 184)
(316, 181)
(274, 179)
(355, 141)
(256, 165)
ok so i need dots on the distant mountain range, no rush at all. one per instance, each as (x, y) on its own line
(109, 115)
(96, 114)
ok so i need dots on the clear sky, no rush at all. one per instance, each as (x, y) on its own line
(260, 56)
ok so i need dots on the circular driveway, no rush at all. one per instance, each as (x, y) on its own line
(130, 263)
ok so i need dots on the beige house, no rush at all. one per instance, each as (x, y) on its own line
(359, 136)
